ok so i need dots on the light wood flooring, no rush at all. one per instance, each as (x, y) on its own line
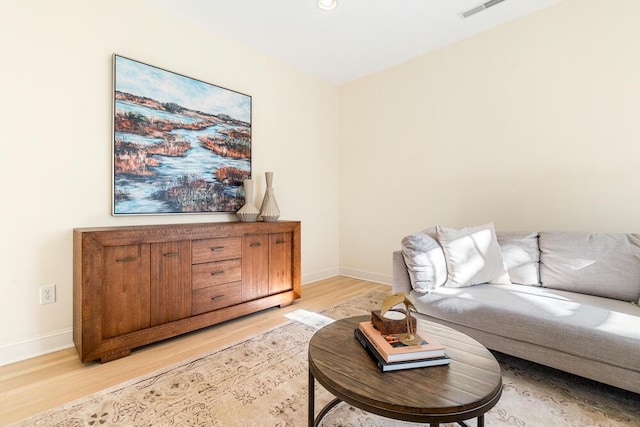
(44, 382)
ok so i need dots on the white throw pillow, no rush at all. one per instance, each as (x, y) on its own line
(521, 256)
(425, 260)
(473, 256)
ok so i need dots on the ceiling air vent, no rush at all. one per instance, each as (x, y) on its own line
(479, 8)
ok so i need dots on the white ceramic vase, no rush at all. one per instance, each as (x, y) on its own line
(248, 212)
(269, 209)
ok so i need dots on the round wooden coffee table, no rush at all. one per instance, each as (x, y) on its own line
(465, 389)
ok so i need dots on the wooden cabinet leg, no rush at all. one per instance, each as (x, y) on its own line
(116, 354)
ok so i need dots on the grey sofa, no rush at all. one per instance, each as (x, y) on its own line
(572, 303)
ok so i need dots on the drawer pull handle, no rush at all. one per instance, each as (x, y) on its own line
(217, 297)
(172, 254)
(279, 242)
(255, 244)
(217, 248)
(216, 273)
(127, 259)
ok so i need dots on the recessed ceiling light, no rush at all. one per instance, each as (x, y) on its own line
(327, 4)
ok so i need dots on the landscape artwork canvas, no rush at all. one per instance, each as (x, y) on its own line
(180, 145)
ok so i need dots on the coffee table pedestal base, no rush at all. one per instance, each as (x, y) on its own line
(314, 421)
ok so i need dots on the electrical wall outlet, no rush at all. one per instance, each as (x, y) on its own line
(47, 294)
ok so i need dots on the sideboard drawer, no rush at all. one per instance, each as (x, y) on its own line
(208, 250)
(215, 297)
(215, 273)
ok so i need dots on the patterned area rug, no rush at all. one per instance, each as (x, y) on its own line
(263, 382)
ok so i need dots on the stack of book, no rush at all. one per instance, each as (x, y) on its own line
(391, 355)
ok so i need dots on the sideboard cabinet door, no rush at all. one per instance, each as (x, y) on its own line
(255, 266)
(267, 261)
(125, 290)
(280, 262)
(170, 281)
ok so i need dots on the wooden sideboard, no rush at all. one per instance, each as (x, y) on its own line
(137, 285)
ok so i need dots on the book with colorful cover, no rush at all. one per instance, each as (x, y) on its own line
(396, 366)
(392, 350)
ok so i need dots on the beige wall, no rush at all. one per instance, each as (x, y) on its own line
(55, 119)
(533, 125)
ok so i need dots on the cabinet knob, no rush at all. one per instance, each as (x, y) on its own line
(279, 242)
(255, 244)
(217, 248)
(172, 254)
(127, 259)
(217, 297)
(216, 273)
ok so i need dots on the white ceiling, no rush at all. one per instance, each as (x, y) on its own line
(358, 38)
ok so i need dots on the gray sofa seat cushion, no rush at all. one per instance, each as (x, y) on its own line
(606, 265)
(583, 325)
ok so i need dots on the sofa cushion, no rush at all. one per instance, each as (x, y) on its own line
(607, 265)
(588, 326)
(521, 256)
(425, 262)
(472, 255)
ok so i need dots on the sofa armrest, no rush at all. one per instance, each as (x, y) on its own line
(401, 280)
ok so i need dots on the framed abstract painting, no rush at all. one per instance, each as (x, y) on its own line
(180, 145)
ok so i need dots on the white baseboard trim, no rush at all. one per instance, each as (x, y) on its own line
(366, 275)
(36, 346)
(321, 275)
(63, 339)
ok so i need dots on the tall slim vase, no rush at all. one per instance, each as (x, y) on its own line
(248, 212)
(269, 209)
